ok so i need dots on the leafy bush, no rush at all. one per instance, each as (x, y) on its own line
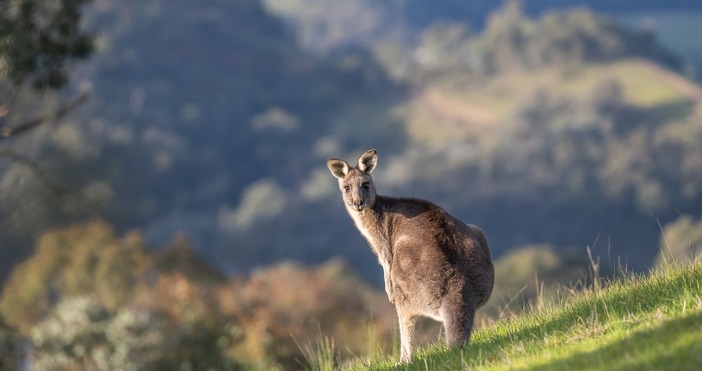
(11, 345)
(84, 259)
(90, 299)
(285, 308)
(82, 334)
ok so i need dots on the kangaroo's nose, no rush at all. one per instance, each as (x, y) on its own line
(360, 204)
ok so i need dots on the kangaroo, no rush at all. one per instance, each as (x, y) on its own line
(434, 265)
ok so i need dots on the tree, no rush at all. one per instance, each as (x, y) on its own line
(307, 303)
(85, 259)
(11, 346)
(512, 41)
(39, 41)
(80, 333)
(39, 38)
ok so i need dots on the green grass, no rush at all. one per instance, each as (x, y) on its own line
(635, 323)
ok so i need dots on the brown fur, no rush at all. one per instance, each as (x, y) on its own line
(434, 265)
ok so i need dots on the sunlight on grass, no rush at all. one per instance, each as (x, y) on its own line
(646, 85)
(635, 322)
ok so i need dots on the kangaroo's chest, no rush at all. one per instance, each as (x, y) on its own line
(377, 236)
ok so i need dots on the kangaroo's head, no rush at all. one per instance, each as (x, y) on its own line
(356, 183)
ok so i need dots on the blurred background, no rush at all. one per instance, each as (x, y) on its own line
(164, 199)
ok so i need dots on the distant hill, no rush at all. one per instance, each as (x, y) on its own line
(324, 25)
(452, 110)
(559, 137)
(210, 119)
(319, 25)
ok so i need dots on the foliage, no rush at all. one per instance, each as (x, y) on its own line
(38, 38)
(89, 298)
(81, 334)
(83, 259)
(635, 322)
(11, 345)
(512, 41)
(282, 309)
(178, 257)
(334, 24)
(40, 41)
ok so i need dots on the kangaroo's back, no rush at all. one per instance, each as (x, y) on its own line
(434, 252)
(434, 264)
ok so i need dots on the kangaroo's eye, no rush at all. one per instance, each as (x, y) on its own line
(365, 186)
(347, 188)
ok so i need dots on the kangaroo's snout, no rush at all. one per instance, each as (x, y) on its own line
(359, 205)
(358, 200)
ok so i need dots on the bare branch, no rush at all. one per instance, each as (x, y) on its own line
(8, 132)
(55, 188)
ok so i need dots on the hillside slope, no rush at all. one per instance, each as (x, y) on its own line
(461, 108)
(638, 323)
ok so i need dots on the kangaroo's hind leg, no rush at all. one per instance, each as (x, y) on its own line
(458, 316)
(407, 322)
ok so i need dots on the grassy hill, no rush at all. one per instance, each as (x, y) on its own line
(650, 322)
(464, 107)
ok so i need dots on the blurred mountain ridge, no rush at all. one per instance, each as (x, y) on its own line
(213, 120)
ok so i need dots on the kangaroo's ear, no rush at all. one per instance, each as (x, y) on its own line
(368, 160)
(338, 168)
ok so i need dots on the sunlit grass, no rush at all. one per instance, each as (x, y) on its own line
(637, 322)
(646, 85)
